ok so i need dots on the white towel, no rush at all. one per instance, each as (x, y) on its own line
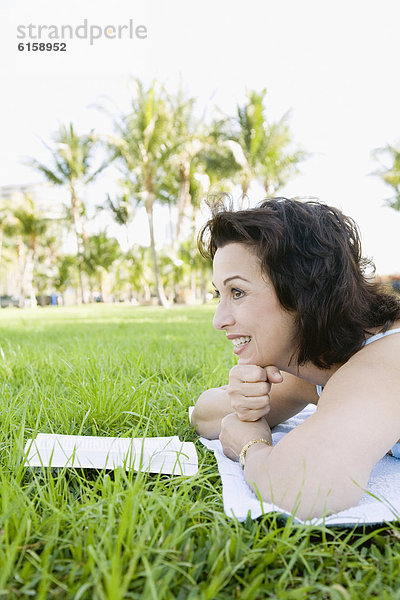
(380, 502)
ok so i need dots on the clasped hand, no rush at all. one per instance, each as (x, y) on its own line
(248, 389)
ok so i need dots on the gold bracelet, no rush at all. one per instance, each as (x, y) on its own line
(242, 455)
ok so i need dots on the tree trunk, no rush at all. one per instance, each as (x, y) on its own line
(21, 265)
(146, 293)
(100, 280)
(26, 267)
(269, 189)
(193, 286)
(75, 206)
(29, 268)
(245, 188)
(171, 224)
(184, 205)
(203, 287)
(162, 300)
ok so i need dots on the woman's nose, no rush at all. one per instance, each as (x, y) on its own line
(223, 317)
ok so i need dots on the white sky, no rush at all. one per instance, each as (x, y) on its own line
(334, 64)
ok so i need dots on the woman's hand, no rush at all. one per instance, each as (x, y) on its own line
(248, 390)
(236, 433)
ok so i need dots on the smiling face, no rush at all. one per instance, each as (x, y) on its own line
(249, 312)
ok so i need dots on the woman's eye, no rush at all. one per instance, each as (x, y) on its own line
(237, 293)
(217, 294)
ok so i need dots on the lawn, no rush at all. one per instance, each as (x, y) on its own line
(129, 371)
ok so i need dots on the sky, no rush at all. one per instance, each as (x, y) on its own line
(333, 65)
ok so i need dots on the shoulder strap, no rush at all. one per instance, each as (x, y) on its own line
(378, 336)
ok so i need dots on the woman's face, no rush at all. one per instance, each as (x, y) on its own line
(249, 312)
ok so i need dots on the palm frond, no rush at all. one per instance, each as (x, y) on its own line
(48, 173)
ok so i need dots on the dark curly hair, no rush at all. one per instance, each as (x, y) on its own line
(311, 252)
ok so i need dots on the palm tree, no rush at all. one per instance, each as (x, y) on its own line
(139, 272)
(30, 228)
(261, 150)
(141, 149)
(189, 138)
(279, 164)
(71, 166)
(251, 137)
(121, 210)
(219, 163)
(389, 159)
(100, 255)
(65, 274)
(200, 269)
(7, 222)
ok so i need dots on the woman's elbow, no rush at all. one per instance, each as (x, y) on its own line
(324, 503)
(205, 428)
(194, 419)
(311, 497)
(211, 406)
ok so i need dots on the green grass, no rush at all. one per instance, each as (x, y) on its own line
(119, 370)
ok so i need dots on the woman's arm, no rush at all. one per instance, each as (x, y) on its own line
(211, 407)
(323, 465)
(286, 399)
(289, 398)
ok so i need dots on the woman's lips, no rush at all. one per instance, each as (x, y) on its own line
(240, 343)
(241, 348)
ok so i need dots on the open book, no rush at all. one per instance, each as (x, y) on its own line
(156, 455)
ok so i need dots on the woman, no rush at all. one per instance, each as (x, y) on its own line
(303, 318)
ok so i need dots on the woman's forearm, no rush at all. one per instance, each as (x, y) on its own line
(211, 407)
(305, 492)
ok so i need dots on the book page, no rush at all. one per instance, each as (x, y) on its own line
(171, 456)
(156, 455)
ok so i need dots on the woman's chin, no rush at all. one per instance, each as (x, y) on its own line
(247, 356)
(247, 360)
